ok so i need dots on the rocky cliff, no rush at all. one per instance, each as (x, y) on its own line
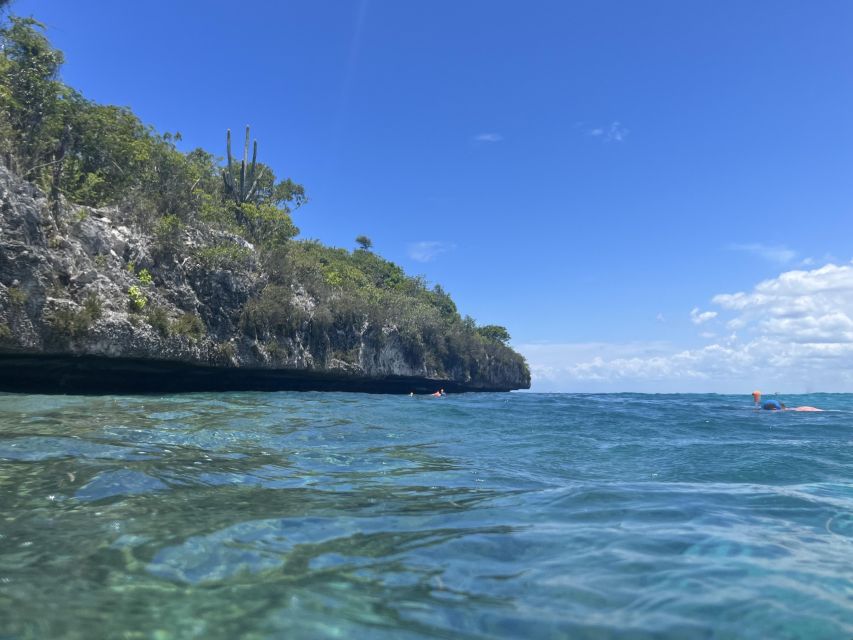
(91, 302)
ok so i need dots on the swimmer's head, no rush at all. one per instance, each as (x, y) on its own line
(756, 396)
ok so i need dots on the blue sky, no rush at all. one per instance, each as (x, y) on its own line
(585, 173)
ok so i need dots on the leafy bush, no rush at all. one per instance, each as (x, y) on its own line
(229, 256)
(268, 225)
(5, 331)
(189, 325)
(272, 313)
(159, 321)
(226, 352)
(136, 298)
(273, 349)
(92, 306)
(145, 277)
(17, 296)
(71, 323)
(167, 234)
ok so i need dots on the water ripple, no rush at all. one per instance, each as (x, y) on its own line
(262, 515)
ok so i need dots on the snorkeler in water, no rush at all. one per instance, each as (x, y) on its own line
(776, 405)
(767, 405)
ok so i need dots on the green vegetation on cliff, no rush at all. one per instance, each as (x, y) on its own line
(234, 218)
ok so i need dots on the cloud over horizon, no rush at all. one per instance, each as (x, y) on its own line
(793, 332)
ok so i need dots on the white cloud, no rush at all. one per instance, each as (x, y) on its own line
(660, 317)
(620, 367)
(779, 254)
(428, 250)
(795, 334)
(798, 306)
(700, 317)
(488, 137)
(615, 132)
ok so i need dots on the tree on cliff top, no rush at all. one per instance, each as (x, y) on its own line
(494, 332)
(29, 93)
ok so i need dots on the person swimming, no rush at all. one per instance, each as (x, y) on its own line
(775, 405)
(767, 405)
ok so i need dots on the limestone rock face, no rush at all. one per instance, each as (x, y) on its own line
(75, 297)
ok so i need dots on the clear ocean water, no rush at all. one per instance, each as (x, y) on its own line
(311, 515)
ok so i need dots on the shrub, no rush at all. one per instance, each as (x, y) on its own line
(229, 256)
(267, 225)
(226, 352)
(167, 234)
(189, 325)
(92, 306)
(136, 298)
(159, 321)
(145, 277)
(271, 313)
(17, 296)
(273, 349)
(70, 323)
(5, 331)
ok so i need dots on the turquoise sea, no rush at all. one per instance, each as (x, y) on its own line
(324, 515)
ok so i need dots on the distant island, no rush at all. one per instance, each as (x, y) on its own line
(127, 265)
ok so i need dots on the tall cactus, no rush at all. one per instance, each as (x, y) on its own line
(242, 187)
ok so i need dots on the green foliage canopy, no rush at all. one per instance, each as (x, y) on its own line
(494, 332)
(96, 155)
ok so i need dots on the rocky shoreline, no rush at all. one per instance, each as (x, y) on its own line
(84, 374)
(90, 302)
